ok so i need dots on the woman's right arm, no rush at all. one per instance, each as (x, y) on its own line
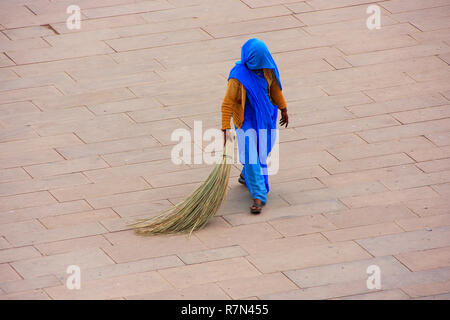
(231, 98)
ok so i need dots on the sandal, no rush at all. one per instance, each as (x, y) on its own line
(241, 179)
(256, 207)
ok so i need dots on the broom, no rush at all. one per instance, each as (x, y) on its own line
(194, 212)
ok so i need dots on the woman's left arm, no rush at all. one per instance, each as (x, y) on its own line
(277, 97)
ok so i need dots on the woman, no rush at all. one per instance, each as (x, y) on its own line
(253, 98)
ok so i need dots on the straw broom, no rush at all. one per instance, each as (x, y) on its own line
(195, 211)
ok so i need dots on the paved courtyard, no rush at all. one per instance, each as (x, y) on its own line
(86, 117)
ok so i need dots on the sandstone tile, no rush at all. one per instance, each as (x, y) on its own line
(124, 9)
(156, 40)
(58, 53)
(93, 149)
(362, 232)
(67, 166)
(65, 246)
(4, 244)
(108, 95)
(426, 259)
(26, 200)
(148, 247)
(254, 26)
(429, 207)
(411, 89)
(285, 175)
(379, 148)
(306, 209)
(17, 108)
(212, 254)
(389, 197)
(143, 208)
(369, 216)
(439, 138)
(29, 32)
(23, 147)
(28, 295)
(278, 259)
(369, 175)
(444, 296)
(395, 294)
(130, 105)
(186, 276)
(416, 278)
(256, 286)
(68, 65)
(30, 284)
(220, 234)
(23, 214)
(333, 15)
(5, 61)
(65, 233)
(427, 289)
(133, 197)
(208, 291)
(22, 45)
(128, 268)
(14, 133)
(7, 274)
(416, 180)
(423, 114)
(14, 254)
(424, 222)
(443, 189)
(302, 225)
(435, 165)
(368, 163)
(341, 192)
(29, 93)
(404, 5)
(406, 241)
(375, 43)
(345, 272)
(323, 292)
(397, 105)
(420, 50)
(430, 153)
(58, 264)
(109, 288)
(102, 23)
(13, 174)
(347, 126)
(18, 187)
(98, 189)
(47, 118)
(72, 219)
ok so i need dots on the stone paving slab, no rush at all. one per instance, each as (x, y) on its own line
(86, 117)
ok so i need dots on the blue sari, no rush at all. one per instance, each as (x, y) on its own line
(258, 132)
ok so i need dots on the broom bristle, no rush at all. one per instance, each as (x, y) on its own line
(194, 212)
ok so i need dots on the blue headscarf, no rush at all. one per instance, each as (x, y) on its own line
(256, 56)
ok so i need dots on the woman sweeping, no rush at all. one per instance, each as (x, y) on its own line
(253, 97)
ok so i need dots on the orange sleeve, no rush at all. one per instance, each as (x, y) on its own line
(231, 98)
(277, 95)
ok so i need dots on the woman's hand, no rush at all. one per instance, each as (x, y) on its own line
(284, 118)
(226, 135)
